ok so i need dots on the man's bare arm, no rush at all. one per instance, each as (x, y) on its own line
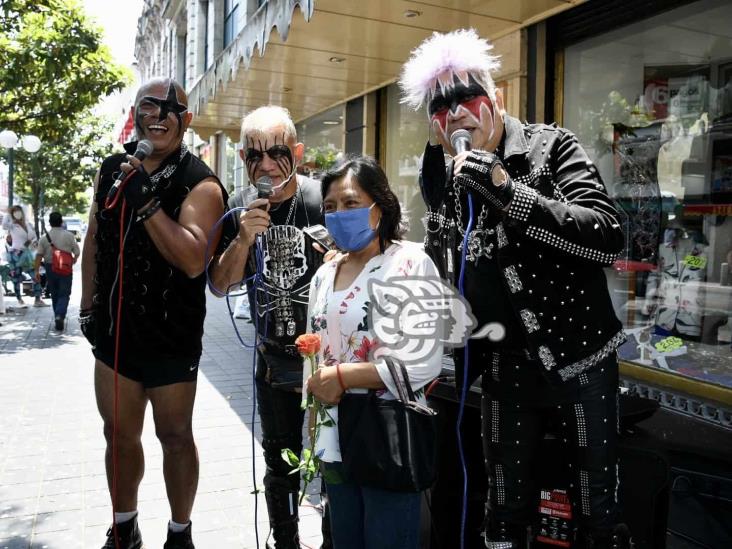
(228, 268)
(183, 243)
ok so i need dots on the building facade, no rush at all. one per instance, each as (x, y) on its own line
(647, 89)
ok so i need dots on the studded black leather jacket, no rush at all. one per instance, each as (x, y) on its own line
(551, 244)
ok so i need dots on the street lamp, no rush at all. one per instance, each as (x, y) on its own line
(9, 140)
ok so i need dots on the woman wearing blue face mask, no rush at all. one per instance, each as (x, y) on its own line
(364, 217)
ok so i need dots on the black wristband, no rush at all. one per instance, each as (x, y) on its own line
(476, 174)
(148, 213)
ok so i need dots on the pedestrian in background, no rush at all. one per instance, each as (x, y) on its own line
(21, 255)
(59, 285)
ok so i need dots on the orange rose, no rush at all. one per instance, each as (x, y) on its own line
(308, 344)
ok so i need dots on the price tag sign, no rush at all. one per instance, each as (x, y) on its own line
(696, 261)
(669, 344)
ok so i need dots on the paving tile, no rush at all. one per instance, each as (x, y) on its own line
(53, 489)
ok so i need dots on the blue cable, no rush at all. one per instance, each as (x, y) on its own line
(228, 293)
(258, 279)
(258, 284)
(464, 391)
(207, 256)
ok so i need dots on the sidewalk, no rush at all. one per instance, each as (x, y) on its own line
(52, 485)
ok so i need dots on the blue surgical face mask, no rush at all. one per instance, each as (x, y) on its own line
(350, 228)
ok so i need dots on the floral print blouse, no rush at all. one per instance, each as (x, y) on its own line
(341, 319)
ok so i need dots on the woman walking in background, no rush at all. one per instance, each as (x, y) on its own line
(21, 257)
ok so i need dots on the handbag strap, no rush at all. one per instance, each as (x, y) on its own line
(403, 386)
(48, 237)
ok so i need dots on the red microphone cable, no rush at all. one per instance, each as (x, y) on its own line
(115, 419)
(109, 205)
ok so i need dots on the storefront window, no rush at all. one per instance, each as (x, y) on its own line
(227, 162)
(652, 105)
(324, 139)
(406, 133)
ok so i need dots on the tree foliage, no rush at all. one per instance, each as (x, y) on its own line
(59, 176)
(53, 70)
(54, 66)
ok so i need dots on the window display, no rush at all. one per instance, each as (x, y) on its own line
(652, 104)
(406, 134)
(324, 138)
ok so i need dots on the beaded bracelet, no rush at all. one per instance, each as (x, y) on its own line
(147, 214)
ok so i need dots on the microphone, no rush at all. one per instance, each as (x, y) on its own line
(461, 141)
(264, 188)
(143, 150)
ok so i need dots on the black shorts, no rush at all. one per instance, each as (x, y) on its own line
(152, 371)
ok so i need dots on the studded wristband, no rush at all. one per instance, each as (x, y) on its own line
(148, 213)
(476, 175)
(522, 203)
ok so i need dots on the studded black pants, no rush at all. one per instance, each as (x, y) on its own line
(519, 407)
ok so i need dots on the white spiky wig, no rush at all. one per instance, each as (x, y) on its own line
(440, 58)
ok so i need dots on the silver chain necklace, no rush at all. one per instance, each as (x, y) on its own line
(293, 206)
(477, 247)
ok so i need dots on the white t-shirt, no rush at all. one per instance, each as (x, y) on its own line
(341, 320)
(19, 233)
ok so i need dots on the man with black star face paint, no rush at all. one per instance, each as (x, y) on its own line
(542, 228)
(279, 306)
(170, 205)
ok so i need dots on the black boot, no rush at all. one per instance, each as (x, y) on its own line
(127, 533)
(618, 538)
(282, 509)
(180, 540)
(505, 535)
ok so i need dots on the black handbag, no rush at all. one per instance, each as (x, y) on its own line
(388, 444)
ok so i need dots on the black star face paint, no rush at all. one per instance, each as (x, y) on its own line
(271, 156)
(465, 105)
(153, 114)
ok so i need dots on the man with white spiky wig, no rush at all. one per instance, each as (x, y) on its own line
(526, 213)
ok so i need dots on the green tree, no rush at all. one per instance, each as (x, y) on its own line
(59, 176)
(53, 69)
(54, 66)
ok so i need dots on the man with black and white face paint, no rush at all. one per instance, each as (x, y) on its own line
(164, 214)
(525, 211)
(271, 153)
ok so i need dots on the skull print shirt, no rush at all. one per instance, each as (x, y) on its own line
(286, 261)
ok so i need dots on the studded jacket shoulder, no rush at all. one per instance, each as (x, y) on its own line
(551, 244)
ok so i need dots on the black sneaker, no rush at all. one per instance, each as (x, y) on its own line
(59, 323)
(180, 540)
(128, 534)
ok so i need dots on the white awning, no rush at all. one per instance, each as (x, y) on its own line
(336, 50)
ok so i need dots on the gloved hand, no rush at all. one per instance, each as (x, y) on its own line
(483, 173)
(139, 190)
(88, 325)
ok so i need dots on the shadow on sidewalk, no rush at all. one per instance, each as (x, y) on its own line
(29, 328)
